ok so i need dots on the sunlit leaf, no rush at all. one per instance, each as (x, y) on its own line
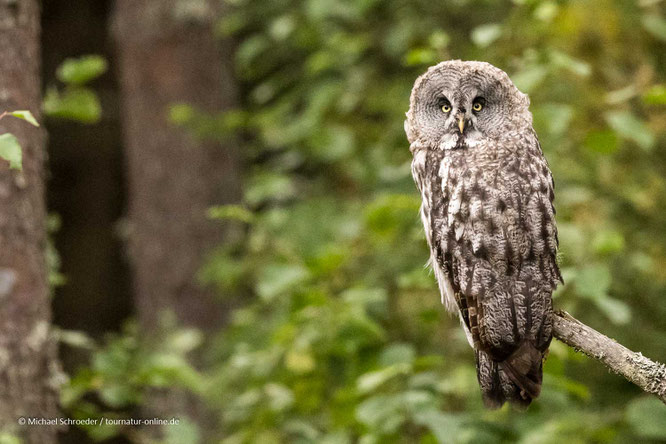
(25, 115)
(10, 150)
(556, 117)
(383, 413)
(420, 56)
(617, 311)
(230, 212)
(604, 142)
(546, 11)
(529, 78)
(78, 71)
(8, 438)
(276, 279)
(576, 66)
(267, 186)
(608, 241)
(79, 104)
(370, 381)
(485, 35)
(593, 281)
(655, 25)
(400, 353)
(279, 396)
(631, 128)
(300, 361)
(655, 95)
(439, 39)
(77, 339)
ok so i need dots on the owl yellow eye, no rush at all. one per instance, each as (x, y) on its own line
(477, 106)
(446, 108)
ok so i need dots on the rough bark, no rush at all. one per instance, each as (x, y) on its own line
(28, 369)
(636, 368)
(168, 54)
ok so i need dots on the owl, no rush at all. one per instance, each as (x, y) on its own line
(487, 209)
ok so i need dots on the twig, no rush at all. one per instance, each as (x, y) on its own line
(645, 373)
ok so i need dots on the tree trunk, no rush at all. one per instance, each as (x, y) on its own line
(167, 55)
(28, 368)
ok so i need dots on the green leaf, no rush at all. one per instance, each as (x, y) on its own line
(546, 11)
(230, 212)
(185, 340)
(269, 186)
(81, 70)
(8, 438)
(279, 396)
(25, 115)
(370, 381)
(617, 311)
(77, 339)
(400, 353)
(276, 279)
(79, 104)
(608, 241)
(382, 413)
(630, 127)
(439, 39)
(563, 60)
(181, 113)
(593, 281)
(183, 431)
(300, 361)
(647, 416)
(655, 25)
(117, 395)
(529, 78)
(10, 150)
(603, 141)
(655, 95)
(555, 116)
(621, 95)
(484, 35)
(447, 428)
(420, 56)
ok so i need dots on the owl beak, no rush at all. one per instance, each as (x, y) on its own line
(461, 123)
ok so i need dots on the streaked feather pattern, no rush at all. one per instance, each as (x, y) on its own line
(487, 210)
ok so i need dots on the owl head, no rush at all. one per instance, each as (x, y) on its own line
(457, 103)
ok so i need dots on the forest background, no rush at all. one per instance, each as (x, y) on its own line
(234, 237)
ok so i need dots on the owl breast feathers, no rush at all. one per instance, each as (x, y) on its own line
(487, 209)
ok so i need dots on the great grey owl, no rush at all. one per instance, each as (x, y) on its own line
(487, 208)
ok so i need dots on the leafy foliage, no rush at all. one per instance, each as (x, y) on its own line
(76, 101)
(346, 339)
(10, 148)
(338, 334)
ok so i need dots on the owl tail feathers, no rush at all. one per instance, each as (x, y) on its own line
(517, 379)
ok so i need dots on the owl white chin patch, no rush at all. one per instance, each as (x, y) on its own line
(470, 140)
(473, 138)
(448, 142)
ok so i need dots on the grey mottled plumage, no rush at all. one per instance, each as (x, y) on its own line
(487, 209)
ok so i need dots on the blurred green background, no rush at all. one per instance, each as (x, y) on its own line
(337, 334)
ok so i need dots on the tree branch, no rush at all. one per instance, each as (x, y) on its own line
(636, 368)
